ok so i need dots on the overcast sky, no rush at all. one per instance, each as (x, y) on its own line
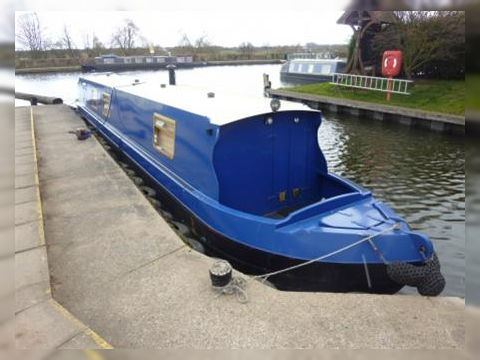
(226, 22)
(296, 23)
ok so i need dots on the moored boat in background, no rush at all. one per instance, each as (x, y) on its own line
(307, 71)
(112, 62)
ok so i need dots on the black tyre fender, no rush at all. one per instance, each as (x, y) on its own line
(129, 172)
(137, 180)
(195, 244)
(427, 278)
(433, 285)
(124, 165)
(148, 191)
(166, 215)
(181, 228)
(155, 203)
(407, 274)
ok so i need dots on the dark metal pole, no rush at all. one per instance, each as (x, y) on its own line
(171, 74)
(267, 85)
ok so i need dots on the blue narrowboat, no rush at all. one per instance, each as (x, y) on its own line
(248, 176)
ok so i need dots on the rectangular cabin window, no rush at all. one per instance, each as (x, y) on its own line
(94, 99)
(106, 104)
(164, 135)
(326, 69)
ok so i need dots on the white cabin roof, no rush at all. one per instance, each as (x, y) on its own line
(325, 61)
(225, 107)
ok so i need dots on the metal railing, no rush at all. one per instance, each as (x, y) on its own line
(394, 86)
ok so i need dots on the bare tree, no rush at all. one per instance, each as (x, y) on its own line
(203, 48)
(126, 36)
(67, 41)
(202, 42)
(86, 41)
(185, 46)
(97, 46)
(184, 41)
(246, 49)
(29, 33)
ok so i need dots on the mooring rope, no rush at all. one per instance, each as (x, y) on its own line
(349, 246)
(237, 286)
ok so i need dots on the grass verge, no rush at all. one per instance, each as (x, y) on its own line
(444, 96)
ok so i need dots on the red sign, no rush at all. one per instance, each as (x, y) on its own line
(391, 63)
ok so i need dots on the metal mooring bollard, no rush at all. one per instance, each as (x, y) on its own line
(223, 283)
(220, 273)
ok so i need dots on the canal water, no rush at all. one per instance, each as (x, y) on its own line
(420, 174)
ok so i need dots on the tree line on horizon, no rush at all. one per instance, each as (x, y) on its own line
(433, 44)
(127, 40)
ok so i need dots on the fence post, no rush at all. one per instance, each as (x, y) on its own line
(389, 88)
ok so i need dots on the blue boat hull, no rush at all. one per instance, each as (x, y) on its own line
(319, 276)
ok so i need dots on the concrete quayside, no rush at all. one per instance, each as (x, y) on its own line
(434, 121)
(98, 267)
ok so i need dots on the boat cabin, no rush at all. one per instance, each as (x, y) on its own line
(231, 148)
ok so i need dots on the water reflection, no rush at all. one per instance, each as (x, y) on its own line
(418, 173)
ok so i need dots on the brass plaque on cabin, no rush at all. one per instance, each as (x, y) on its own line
(164, 135)
(296, 192)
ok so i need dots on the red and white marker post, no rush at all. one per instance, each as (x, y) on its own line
(391, 66)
